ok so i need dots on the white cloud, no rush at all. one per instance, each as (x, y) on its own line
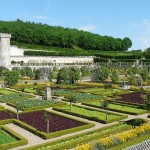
(88, 28)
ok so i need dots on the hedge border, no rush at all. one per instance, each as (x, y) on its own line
(20, 139)
(92, 118)
(131, 142)
(38, 107)
(80, 141)
(120, 111)
(50, 135)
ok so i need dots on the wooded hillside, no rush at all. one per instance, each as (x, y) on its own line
(45, 35)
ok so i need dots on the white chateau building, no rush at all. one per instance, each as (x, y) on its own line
(12, 56)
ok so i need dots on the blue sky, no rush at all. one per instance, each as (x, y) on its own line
(117, 18)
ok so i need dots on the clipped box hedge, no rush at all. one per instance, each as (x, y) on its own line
(92, 118)
(87, 138)
(116, 110)
(20, 139)
(54, 134)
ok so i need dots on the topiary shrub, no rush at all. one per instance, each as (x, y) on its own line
(135, 122)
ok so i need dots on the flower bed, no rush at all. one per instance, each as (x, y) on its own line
(119, 138)
(91, 114)
(117, 107)
(132, 98)
(71, 142)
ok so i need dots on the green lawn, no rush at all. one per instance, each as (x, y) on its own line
(91, 114)
(6, 92)
(103, 92)
(119, 107)
(6, 138)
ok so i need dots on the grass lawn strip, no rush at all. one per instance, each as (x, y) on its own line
(9, 138)
(102, 91)
(5, 137)
(117, 107)
(92, 114)
(6, 92)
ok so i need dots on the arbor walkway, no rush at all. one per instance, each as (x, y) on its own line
(34, 140)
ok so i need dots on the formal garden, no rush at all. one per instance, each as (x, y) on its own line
(96, 115)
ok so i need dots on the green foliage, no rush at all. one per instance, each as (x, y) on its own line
(148, 102)
(74, 74)
(131, 79)
(2, 71)
(118, 107)
(85, 71)
(99, 74)
(68, 75)
(135, 122)
(98, 146)
(45, 35)
(34, 103)
(144, 73)
(73, 141)
(63, 76)
(5, 137)
(11, 77)
(51, 75)
(114, 76)
(90, 113)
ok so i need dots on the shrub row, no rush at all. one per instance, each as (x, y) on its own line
(37, 107)
(111, 109)
(55, 134)
(55, 53)
(119, 56)
(92, 118)
(20, 139)
(72, 144)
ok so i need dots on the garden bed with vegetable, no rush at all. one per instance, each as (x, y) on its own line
(35, 122)
(132, 98)
(90, 136)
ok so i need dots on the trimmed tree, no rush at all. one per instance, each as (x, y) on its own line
(105, 106)
(114, 96)
(47, 118)
(72, 99)
(147, 102)
(11, 77)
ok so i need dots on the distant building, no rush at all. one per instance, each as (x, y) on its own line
(12, 56)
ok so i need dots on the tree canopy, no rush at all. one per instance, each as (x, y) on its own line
(56, 36)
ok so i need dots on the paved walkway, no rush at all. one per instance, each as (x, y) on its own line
(34, 140)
